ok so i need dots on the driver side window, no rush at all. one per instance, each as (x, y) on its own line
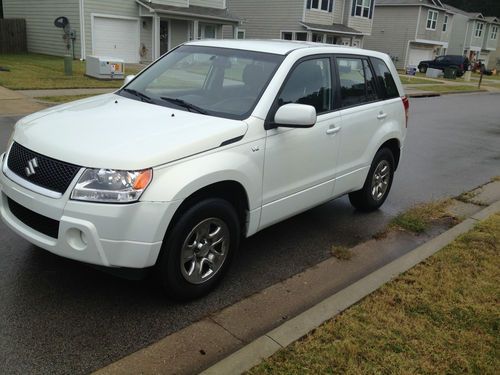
(309, 83)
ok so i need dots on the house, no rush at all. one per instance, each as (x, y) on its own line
(345, 22)
(410, 30)
(473, 35)
(133, 30)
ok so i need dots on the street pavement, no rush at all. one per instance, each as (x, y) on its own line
(58, 316)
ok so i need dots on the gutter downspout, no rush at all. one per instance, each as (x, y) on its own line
(82, 30)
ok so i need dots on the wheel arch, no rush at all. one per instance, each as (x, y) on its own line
(394, 145)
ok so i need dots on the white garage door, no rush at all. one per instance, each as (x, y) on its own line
(115, 37)
(419, 54)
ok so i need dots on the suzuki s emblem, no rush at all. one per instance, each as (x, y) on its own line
(30, 169)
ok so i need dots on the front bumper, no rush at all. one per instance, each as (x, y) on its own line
(111, 235)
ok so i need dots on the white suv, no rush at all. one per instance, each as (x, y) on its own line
(211, 143)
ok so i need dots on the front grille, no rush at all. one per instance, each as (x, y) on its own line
(40, 223)
(48, 173)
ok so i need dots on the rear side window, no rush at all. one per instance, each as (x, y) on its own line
(357, 85)
(309, 83)
(385, 79)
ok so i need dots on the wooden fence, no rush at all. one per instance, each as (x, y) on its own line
(12, 36)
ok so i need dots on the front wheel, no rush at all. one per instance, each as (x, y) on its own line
(198, 250)
(423, 69)
(377, 184)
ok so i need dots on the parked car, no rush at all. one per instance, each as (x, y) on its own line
(212, 143)
(460, 63)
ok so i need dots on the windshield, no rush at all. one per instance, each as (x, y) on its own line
(209, 80)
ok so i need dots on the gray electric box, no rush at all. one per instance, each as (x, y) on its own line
(105, 67)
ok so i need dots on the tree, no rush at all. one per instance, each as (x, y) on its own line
(485, 7)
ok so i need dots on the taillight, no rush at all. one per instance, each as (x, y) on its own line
(406, 104)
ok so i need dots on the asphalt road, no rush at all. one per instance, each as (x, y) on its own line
(58, 316)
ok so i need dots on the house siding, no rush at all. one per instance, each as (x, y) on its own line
(393, 28)
(325, 18)
(494, 61)
(42, 36)
(219, 4)
(423, 33)
(362, 24)
(475, 42)
(175, 3)
(178, 30)
(262, 19)
(457, 36)
(488, 42)
(116, 8)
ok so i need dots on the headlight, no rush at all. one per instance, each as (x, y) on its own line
(110, 186)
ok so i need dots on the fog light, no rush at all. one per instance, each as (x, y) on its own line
(76, 239)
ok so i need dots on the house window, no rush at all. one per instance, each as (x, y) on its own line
(294, 35)
(362, 8)
(241, 34)
(479, 29)
(325, 5)
(432, 17)
(445, 23)
(494, 32)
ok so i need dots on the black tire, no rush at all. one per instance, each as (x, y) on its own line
(423, 69)
(169, 268)
(363, 199)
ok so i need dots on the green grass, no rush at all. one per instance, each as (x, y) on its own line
(447, 88)
(63, 99)
(419, 217)
(409, 80)
(440, 317)
(341, 252)
(34, 71)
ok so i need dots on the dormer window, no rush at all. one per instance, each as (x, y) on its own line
(494, 32)
(479, 29)
(432, 17)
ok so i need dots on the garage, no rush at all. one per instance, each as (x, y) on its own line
(116, 37)
(419, 54)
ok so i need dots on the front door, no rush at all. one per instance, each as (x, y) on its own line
(164, 37)
(300, 163)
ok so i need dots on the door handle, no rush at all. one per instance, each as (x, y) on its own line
(382, 115)
(333, 130)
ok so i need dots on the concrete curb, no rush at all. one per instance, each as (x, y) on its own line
(266, 345)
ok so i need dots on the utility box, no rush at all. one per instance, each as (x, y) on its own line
(433, 73)
(105, 67)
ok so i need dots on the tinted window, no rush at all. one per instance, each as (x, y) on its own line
(385, 79)
(309, 83)
(357, 85)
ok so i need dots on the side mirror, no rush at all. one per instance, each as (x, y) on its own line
(128, 79)
(295, 116)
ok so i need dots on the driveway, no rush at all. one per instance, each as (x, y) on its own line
(58, 316)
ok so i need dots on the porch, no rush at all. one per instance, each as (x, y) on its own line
(332, 34)
(165, 27)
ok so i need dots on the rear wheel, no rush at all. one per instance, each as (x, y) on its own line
(198, 250)
(378, 183)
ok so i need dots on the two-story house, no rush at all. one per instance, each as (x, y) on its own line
(134, 30)
(410, 30)
(345, 22)
(473, 35)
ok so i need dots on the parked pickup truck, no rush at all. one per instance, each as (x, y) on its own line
(210, 144)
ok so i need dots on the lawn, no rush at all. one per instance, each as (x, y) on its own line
(447, 88)
(441, 317)
(410, 80)
(33, 71)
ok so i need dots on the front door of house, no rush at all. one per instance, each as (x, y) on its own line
(163, 37)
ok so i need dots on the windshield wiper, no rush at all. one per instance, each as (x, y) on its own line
(182, 103)
(139, 94)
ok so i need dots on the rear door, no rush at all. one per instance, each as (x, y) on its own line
(362, 112)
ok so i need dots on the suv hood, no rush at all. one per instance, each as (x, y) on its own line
(110, 131)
